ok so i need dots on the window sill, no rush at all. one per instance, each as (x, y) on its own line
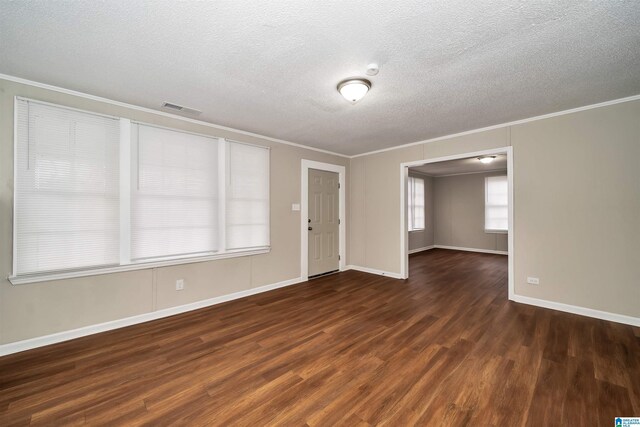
(45, 277)
(417, 230)
(496, 231)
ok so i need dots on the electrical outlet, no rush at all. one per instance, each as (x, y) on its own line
(179, 284)
(533, 280)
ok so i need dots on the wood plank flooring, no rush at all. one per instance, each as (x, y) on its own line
(443, 348)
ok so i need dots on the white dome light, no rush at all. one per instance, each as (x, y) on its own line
(354, 89)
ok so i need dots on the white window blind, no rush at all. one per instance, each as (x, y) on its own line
(174, 194)
(247, 198)
(66, 190)
(415, 204)
(96, 194)
(496, 214)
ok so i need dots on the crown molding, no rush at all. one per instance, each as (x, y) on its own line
(306, 147)
(507, 124)
(161, 113)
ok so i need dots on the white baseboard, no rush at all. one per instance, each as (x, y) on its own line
(28, 344)
(589, 312)
(484, 251)
(416, 250)
(374, 271)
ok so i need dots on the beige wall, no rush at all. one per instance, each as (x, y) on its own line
(375, 208)
(459, 213)
(424, 238)
(577, 192)
(32, 310)
(576, 205)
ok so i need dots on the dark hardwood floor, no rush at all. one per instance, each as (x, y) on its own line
(443, 348)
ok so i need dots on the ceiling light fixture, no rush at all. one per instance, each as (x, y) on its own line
(354, 89)
(487, 159)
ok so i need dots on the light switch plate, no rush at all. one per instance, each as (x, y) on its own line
(295, 206)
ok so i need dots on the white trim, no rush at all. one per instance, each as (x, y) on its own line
(459, 248)
(125, 191)
(45, 277)
(404, 216)
(223, 164)
(14, 219)
(503, 125)
(161, 113)
(28, 344)
(374, 271)
(582, 311)
(304, 213)
(416, 250)
(404, 173)
(510, 240)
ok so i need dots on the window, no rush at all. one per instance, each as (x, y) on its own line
(416, 204)
(247, 191)
(496, 206)
(174, 193)
(67, 189)
(95, 193)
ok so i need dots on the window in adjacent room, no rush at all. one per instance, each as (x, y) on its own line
(416, 204)
(496, 206)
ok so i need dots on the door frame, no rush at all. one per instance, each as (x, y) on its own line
(304, 214)
(404, 234)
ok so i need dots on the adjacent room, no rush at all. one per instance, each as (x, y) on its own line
(459, 204)
(320, 213)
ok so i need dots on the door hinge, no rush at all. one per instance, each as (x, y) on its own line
(338, 185)
(339, 258)
(338, 221)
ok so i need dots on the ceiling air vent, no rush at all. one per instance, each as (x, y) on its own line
(180, 109)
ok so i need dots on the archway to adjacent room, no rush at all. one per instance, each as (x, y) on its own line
(426, 174)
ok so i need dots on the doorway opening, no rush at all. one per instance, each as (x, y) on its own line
(461, 202)
(322, 219)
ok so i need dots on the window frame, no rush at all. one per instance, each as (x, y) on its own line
(411, 206)
(486, 192)
(125, 207)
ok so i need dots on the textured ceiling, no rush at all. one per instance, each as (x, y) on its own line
(272, 67)
(460, 166)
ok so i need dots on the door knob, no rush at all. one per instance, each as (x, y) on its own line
(310, 228)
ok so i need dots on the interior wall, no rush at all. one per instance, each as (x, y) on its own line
(459, 213)
(375, 199)
(577, 192)
(576, 205)
(38, 309)
(424, 238)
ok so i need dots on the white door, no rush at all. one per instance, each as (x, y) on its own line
(323, 222)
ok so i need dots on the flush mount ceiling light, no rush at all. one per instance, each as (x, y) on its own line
(354, 89)
(487, 159)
